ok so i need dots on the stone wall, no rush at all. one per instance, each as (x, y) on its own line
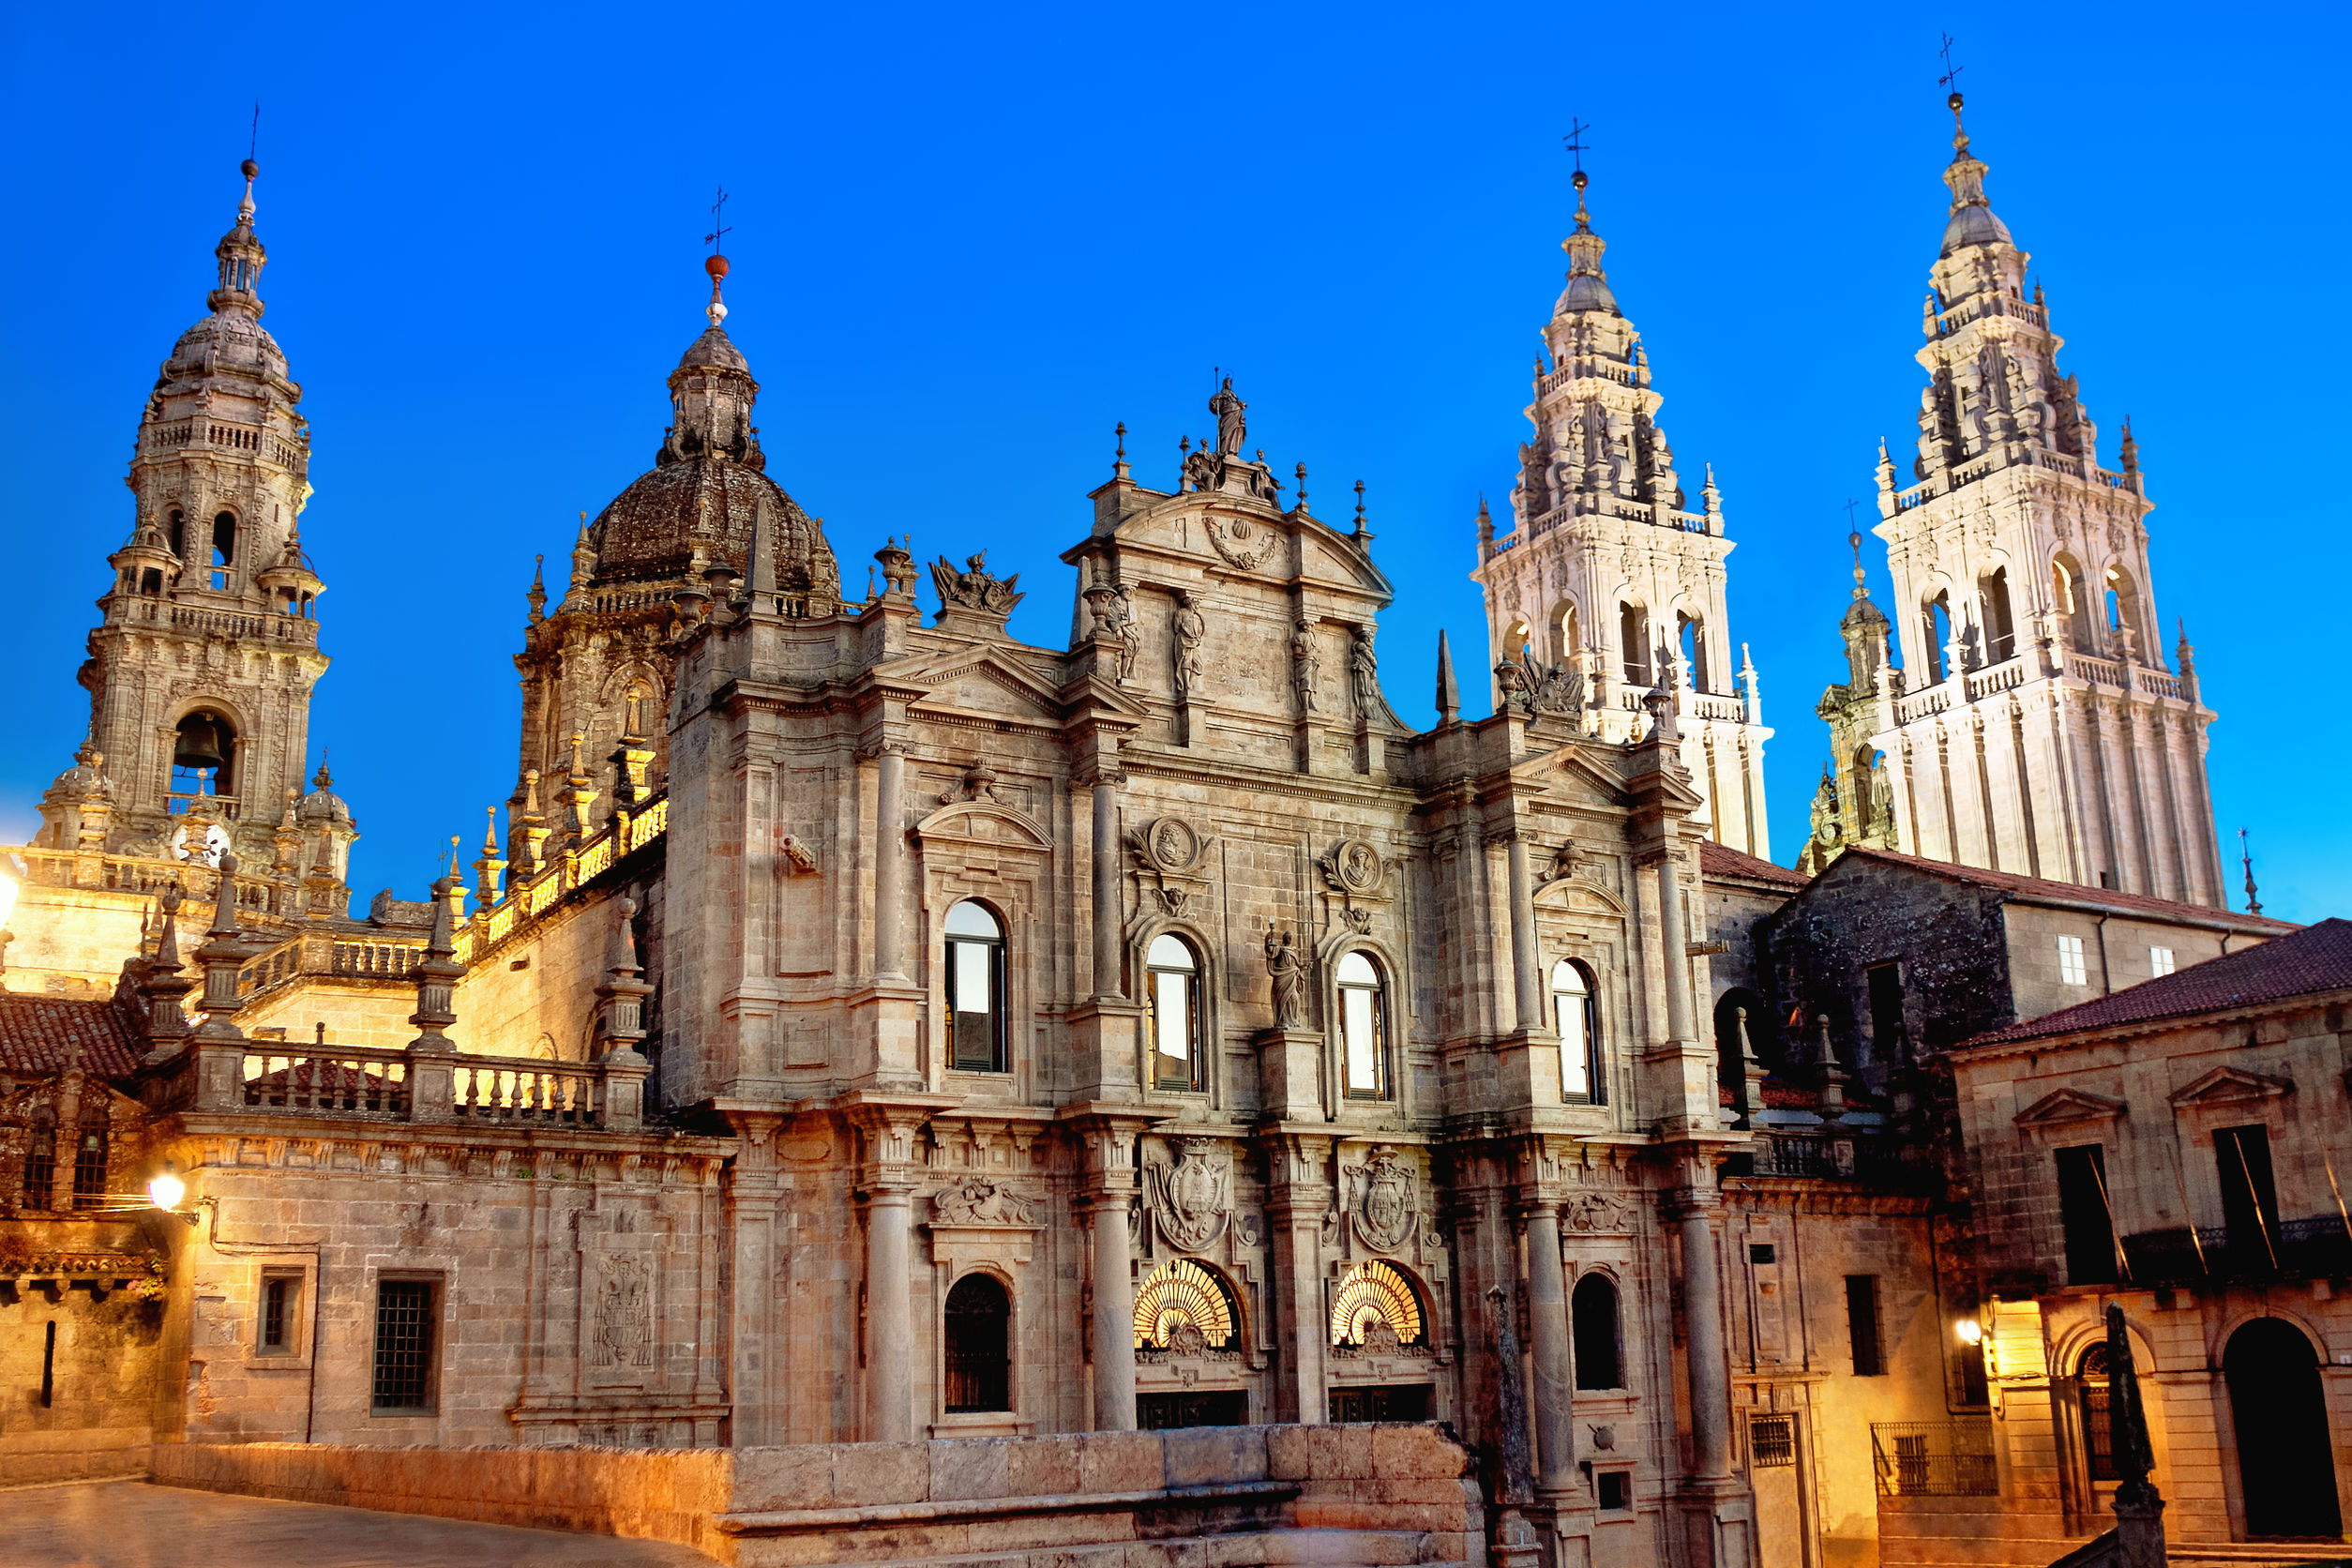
(1393, 1494)
(104, 1369)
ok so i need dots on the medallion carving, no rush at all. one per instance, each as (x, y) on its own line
(1192, 1194)
(1171, 860)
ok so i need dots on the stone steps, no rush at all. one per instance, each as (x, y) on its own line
(1276, 1548)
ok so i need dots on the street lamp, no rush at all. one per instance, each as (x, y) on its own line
(1970, 1330)
(165, 1190)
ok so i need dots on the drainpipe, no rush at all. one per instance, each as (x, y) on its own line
(2107, 976)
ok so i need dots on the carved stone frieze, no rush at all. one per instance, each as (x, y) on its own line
(1597, 1213)
(975, 1199)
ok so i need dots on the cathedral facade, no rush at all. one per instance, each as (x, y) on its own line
(870, 1028)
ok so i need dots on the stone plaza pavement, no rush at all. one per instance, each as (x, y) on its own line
(133, 1524)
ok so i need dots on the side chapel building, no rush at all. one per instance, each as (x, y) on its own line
(872, 1028)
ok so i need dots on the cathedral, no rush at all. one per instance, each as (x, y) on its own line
(868, 1029)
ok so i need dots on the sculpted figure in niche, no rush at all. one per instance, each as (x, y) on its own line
(1364, 674)
(1190, 627)
(1305, 666)
(1129, 630)
(1286, 967)
(1231, 428)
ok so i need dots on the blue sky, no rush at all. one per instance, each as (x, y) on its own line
(968, 241)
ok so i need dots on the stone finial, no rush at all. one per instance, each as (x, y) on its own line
(537, 596)
(1119, 457)
(1449, 693)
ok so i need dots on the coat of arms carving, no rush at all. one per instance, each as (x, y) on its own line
(1592, 1212)
(624, 1314)
(1192, 1194)
(977, 1200)
(1383, 1211)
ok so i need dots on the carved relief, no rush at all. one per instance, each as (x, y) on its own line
(1243, 544)
(974, 1199)
(1354, 867)
(1382, 1209)
(1192, 1194)
(624, 1313)
(975, 588)
(1171, 861)
(1597, 1213)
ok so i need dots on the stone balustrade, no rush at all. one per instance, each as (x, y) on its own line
(209, 1076)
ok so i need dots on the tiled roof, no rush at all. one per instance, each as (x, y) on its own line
(2037, 890)
(1714, 860)
(2308, 962)
(38, 1034)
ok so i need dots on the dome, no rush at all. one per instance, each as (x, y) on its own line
(649, 529)
(1974, 225)
(232, 338)
(1586, 291)
(1862, 613)
(714, 348)
(323, 805)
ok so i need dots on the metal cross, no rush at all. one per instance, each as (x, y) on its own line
(1951, 77)
(256, 140)
(1574, 141)
(718, 224)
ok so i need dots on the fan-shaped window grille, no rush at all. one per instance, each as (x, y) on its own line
(1373, 1303)
(1182, 1306)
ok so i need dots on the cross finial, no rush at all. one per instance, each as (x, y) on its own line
(1950, 78)
(1574, 141)
(718, 221)
(2245, 855)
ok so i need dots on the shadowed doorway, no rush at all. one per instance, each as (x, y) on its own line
(2286, 1473)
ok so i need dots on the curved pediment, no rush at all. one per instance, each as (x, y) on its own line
(983, 822)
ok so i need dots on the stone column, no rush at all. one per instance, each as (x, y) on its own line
(1678, 950)
(889, 1322)
(1547, 1340)
(1114, 1315)
(1711, 1380)
(1523, 960)
(1107, 942)
(1298, 1197)
(889, 865)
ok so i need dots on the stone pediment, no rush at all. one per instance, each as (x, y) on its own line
(1577, 779)
(984, 683)
(987, 821)
(2229, 1086)
(2068, 1105)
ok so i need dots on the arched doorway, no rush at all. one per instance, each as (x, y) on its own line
(979, 1345)
(2285, 1474)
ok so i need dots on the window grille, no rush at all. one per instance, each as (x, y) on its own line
(1935, 1458)
(1773, 1442)
(405, 1345)
(276, 1295)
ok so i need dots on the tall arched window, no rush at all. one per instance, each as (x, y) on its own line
(179, 534)
(2098, 1430)
(2000, 625)
(1567, 638)
(1363, 1028)
(976, 989)
(203, 750)
(224, 551)
(1593, 1324)
(979, 1346)
(2066, 593)
(1576, 1020)
(40, 1160)
(1934, 616)
(1690, 631)
(1633, 635)
(2123, 609)
(89, 1156)
(1174, 1001)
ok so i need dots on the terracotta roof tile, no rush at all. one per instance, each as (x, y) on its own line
(2307, 962)
(2039, 890)
(1716, 860)
(38, 1034)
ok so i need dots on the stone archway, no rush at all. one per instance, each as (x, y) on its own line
(2286, 1474)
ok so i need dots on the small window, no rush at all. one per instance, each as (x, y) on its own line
(979, 1346)
(89, 1157)
(405, 1323)
(1613, 1491)
(1761, 1252)
(2084, 1214)
(41, 1161)
(1577, 1020)
(1592, 1331)
(2070, 970)
(2160, 961)
(1363, 1028)
(976, 989)
(1886, 1032)
(1773, 1442)
(1174, 1005)
(1861, 1325)
(2098, 1428)
(280, 1293)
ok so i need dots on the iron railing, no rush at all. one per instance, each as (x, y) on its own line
(1935, 1458)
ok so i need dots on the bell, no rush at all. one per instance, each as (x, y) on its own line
(201, 744)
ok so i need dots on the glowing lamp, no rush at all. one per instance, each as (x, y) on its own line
(166, 1191)
(1970, 1330)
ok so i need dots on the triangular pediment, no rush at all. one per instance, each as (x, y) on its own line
(1577, 778)
(2229, 1086)
(2068, 1105)
(983, 681)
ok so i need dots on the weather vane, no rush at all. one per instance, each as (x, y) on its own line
(254, 143)
(1951, 77)
(1574, 141)
(718, 221)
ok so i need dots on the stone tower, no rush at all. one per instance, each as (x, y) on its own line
(2033, 726)
(200, 674)
(673, 549)
(1611, 584)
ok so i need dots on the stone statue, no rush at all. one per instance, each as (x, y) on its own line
(1363, 676)
(1231, 427)
(975, 588)
(1286, 967)
(1129, 630)
(1306, 668)
(1190, 627)
(1826, 827)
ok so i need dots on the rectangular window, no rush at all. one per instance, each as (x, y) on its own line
(2070, 970)
(1886, 1011)
(1359, 1025)
(279, 1293)
(2250, 1201)
(405, 1346)
(1862, 1325)
(1773, 1442)
(1575, 1047)
(1613, 1491)
(2084, 1214)
(973, 1006)
(2098, 1433)
(2160, 960)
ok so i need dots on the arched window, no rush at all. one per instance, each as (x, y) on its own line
(2000, 627)
(976, 989)
(40, 1160)
(89, 1156)
(179, 534)
(1376, 1307)
(637, 708)
(2098, 1429)
(2066, 592)
(1691, 633)
(2123, 609)
(1577, 1020)
(979, 1346)
(1174, 1001)
(1633, 635)
(1184, 1308)
(1567, 636)
(1935, 615)
(1592, 1324)
(224, 550)
(1363, 1028)
(203, 751)
(1515, 641)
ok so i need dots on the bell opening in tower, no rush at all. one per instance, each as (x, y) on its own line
(204, 752)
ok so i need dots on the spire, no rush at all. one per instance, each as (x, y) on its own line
(1449, 693)
(537, 596)
(241, 258)
(1972, 219)
(1587, 285)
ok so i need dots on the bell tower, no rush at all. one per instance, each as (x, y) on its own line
(1613, 582)
(2034, 726)
(199, 671)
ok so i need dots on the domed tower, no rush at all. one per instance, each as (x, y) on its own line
(673, 549)
(1614, 581)
(200, 674)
